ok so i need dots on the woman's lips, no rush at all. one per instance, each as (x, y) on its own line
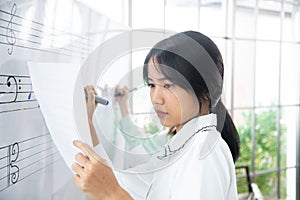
(161, 114)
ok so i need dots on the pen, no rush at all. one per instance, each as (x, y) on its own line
(98, 99)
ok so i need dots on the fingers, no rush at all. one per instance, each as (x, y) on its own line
(78, 169)
(87, 150)
(90, 88)
(126, 91)
(118, 91)
(82, 146)
(77, 180)
(83, 160)
(91, 92)
(121, 92)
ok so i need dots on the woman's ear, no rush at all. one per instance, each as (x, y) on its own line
(206, 97)
(205, 105)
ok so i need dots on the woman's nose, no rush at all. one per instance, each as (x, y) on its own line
(157, 95)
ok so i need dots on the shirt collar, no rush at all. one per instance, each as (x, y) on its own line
(179, 143)
(186, 134)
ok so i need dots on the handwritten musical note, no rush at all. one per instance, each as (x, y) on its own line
(10, 33)
(29, 95)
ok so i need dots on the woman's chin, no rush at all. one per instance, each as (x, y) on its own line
(165, 123)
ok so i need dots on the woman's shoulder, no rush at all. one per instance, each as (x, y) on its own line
(213, 146)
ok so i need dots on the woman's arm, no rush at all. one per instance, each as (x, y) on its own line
(134, 135)
(91, 106)
(94, 177)
(122, 96)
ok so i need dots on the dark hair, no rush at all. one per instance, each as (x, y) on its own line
(177, 69)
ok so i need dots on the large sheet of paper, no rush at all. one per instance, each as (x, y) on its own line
(53, 84)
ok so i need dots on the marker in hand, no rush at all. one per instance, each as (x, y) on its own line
(98, 99)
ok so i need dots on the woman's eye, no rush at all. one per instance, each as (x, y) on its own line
(150, 85)
(167, 85)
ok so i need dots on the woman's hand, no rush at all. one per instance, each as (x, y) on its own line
(90, 103)
(94, 177)
(122, 96)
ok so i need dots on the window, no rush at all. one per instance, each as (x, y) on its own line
(259, 41)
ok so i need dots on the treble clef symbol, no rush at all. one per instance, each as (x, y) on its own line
(10, 34)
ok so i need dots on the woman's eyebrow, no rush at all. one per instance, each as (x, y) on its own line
(159, 79)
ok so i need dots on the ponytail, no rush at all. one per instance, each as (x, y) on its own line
(227, 129)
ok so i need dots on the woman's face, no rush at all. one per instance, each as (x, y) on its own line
(173, 105)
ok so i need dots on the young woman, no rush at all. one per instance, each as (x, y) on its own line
(185, 86)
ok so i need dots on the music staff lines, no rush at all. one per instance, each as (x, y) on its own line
(42, 38)
(34, 172)
(31, 91)
(39, 43)
(43, 25)
(16, 84)
(53, 154)
(49, 141)
(20, 159)
(29, 139)
(11, 35)
(41, 50)
(16, 93)
(26, 166)
(15, 75)
(21, 101)
(36, 137)
(44, 150)
(19, 109)
(45, 34)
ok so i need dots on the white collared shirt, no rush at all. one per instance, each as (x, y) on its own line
(195, 164)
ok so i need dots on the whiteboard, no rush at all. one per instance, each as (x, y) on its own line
(39, 31)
